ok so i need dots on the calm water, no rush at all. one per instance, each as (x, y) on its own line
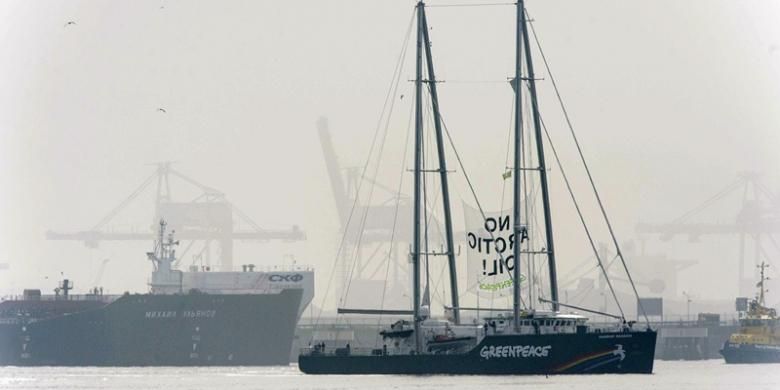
(712, 374)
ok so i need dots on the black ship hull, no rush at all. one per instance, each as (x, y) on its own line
(159, 330)
(735, 353)
(585, 353)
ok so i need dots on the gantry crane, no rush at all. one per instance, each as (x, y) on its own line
(365, 226)
(209, 218)
(757, 219)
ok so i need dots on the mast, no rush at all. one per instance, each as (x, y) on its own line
(418, 125)
(761, 289)
(542, 167)
(517, 229)
(442, 171)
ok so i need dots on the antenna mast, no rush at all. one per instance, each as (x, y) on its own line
(761, 289)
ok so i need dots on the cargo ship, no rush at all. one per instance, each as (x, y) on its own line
(188, 318)
(523, 340)
(758, 338)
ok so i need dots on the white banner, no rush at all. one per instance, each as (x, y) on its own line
(488, 241)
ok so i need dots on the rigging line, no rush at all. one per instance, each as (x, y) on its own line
(467, 5)
(582, 217)
(437, 193)
(369, 260)
(389, 113)
(528, 195)
(473, 192)
(502, 208)
(428, 217)
(587, 170)
(423, 156)
(395, 217)
(354, 203)
(451, 81)
(441, 298)
(508, 148)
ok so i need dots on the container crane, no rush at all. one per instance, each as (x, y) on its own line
(208, 219)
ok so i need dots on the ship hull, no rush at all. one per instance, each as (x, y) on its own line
(159, 330)
(588, 353)
(735, 353)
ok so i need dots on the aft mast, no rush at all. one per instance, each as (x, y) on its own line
(523, 47)
(550, 248)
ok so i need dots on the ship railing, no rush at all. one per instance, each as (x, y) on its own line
(344, 351)
(71, 297)
(284, 268)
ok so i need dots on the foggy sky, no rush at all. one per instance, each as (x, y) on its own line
(671, 101)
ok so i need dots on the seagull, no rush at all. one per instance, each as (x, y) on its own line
(162, 110)
(402, 97)
(70, 23)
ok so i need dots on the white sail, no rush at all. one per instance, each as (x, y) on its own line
(489, 242)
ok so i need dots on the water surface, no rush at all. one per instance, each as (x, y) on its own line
(710, 375)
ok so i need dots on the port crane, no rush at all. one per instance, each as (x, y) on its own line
(382, 222)
(207, 220)
(756, 222)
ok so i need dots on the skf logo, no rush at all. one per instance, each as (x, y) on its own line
(286, 278)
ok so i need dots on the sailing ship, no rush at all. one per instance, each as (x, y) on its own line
(189, 318)
(758, 338)
(527, 342)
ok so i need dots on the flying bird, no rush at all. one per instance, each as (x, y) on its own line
(162, 110)
(70, 23)
(402, 97)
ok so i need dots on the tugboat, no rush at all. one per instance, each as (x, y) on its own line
(189, 318)
(758, 339)
(519, 341)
